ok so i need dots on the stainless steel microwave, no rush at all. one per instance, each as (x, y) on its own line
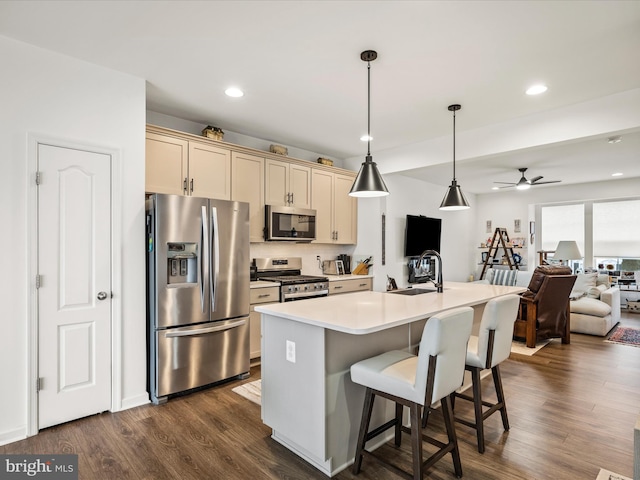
(290, 224)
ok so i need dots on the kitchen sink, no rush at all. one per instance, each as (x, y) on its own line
(413, 291)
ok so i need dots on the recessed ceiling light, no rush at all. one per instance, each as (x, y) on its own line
(536, 89)
(617, 174)
(366, 138)
(615, 139)
(234, 92)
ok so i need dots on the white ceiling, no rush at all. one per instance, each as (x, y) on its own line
(305, 85)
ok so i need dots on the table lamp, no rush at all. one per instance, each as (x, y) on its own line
(567, 250)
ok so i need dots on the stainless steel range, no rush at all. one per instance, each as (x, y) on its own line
(293, 285)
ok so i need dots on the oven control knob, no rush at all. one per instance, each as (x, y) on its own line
(306, 287)
(291, 289)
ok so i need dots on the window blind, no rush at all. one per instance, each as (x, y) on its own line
(562, 222)
(616, 229)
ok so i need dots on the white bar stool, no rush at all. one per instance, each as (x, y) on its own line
(417, 382)
(490, 348)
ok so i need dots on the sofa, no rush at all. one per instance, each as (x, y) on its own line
(594, 305)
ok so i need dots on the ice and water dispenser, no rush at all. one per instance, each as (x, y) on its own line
(182, 261)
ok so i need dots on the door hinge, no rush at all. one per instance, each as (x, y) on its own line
(38, 178)
(39, 384)
(38, 281)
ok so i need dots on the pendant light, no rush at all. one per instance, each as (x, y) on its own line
(454, 199)
(369, 182)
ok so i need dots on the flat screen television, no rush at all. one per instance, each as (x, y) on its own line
(421, 233)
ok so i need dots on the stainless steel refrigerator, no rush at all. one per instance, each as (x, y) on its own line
(197, 292)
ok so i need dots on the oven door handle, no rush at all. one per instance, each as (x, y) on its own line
(314, 294)
(202, 331)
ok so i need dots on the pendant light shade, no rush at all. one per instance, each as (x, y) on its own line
(454, 198)
(369, 182)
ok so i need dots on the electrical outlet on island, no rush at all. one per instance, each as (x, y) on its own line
(291, 351)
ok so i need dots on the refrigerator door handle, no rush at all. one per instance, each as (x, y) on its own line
(216, 257)
(202, 331)
(204, 252)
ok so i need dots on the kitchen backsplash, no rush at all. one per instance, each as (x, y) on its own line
(307, 251)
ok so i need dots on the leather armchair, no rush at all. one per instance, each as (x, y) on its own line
(544, 307)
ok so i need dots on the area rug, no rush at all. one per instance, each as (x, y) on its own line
(607, 475)
(625, 336)
(521, 348)
(250, 391)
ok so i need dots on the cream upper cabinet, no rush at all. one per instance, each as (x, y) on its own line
(287, 184)
(336, 211)
(166, 164)
(345, 211)
(209, 171)
(182, 167)
(247, 185)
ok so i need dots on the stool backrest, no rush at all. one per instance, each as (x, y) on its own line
(499, 315)
(445, 336)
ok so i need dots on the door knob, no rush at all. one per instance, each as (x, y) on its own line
(102, 295)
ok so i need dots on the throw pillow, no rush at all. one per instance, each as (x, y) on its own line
(584, 281)
(603, 279)
(576, 294)
(594, 292)
(504, 277)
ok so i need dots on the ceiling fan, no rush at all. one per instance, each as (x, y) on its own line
(524, 184)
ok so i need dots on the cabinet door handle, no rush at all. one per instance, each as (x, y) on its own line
(363, 284)
(337, 287)
(291, 198)
(192, 185)
(184, 185)
(264, 295)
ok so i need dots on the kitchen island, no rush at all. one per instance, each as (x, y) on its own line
(308, 347)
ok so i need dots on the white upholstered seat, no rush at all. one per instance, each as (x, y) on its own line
(418, 381)
(491, 347)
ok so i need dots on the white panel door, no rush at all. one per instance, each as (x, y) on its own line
(74, 298)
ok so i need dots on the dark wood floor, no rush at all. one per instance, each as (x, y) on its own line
(572, 410)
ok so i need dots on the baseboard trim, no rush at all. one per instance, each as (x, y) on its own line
(13, 435)
(135, 401)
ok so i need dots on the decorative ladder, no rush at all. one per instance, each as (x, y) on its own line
(499, 241)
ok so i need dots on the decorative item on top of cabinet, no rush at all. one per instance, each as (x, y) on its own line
(336, 211)
(278, 149)
(214, 133)
(325, 161)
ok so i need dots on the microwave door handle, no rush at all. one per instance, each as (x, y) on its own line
(215, 270)
(204, 254)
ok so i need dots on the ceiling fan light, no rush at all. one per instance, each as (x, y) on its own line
(523, 186)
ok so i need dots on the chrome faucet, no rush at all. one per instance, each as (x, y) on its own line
(427, 253)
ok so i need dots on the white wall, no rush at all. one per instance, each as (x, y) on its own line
(414, 197)
(60, 97)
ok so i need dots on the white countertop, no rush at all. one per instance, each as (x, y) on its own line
(335, 278)
(360, 313)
